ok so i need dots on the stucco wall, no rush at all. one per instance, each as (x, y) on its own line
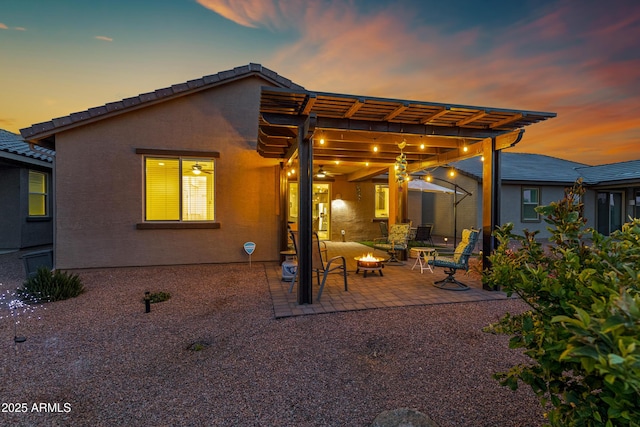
(10, 212)
(17, 230)
(100, 184)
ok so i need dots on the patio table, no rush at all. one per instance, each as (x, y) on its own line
(421, 254)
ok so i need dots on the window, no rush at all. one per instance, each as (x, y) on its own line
(382, 201)
(530, 201)
(37, 193)
(179, 189)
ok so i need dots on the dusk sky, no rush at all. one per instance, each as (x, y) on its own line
(577, 58)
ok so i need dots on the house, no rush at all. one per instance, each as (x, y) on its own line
(189, 173)
(531, 180)
(26, 193)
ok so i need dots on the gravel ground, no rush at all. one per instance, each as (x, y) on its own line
(214, 355)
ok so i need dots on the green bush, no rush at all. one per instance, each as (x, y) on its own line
(45, 286)
(582, 331)
(159, 297)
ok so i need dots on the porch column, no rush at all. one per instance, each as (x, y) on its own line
(491, 183)
(398, 199)
(283, 209)
(305, 183)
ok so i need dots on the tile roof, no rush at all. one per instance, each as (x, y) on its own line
(612, 173)
(49, 128)
(13, 143)
(526, 167)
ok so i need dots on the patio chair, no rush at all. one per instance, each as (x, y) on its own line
(397, 240)
(320, 263)
(423, 234)
(384, 231)
(458, 260)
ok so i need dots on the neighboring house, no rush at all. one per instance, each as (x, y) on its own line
(531, 180)
(25, 194)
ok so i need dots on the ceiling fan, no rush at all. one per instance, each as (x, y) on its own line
(197, 169)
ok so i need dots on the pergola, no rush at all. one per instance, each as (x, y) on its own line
(362, 133)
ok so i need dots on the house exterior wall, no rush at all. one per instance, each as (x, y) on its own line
(100, 184)
(17, 229)
(10, 236)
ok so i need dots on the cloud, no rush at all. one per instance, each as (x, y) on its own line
(271, 14)
(104, 38)
(4, 26)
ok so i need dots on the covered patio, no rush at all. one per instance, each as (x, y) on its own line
(400, 286)
(363, 137)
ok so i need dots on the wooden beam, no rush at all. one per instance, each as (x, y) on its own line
(395, 113)
(506, 121)
(367, 173)
(309, 102)
(471, 118)
(354, 108)
(508, 140)
(434, 116)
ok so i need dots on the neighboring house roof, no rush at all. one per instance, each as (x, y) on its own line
(614, 173)
(46, 130)
(13, 147)
(524, 167)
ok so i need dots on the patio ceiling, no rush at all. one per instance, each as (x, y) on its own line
(348, 127)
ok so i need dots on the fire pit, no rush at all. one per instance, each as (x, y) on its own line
(369, 263)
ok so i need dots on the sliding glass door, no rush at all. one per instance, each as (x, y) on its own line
(609, 212)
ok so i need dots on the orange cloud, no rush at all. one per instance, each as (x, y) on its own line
(3, 26)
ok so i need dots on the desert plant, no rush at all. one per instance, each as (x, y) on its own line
(582, 330)
(159, 297)
(46, 286)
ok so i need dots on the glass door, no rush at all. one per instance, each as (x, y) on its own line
(321, 211)
(609, 212)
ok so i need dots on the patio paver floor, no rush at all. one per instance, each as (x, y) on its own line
(399, 287)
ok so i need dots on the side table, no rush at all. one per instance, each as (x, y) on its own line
(421, 255)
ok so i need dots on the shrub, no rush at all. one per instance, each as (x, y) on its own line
(159, 297)
(46, 285)
(582, 330)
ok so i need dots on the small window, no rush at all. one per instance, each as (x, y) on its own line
(381, 201)
(179, 189)
(37, 193)
(530, 201)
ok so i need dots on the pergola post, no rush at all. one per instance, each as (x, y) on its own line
(305, 184)
(491, 183)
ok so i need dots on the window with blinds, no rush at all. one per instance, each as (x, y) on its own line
(179, 189)
(37, 193)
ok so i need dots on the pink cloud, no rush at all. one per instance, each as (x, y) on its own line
(273, 14)
(3, 26)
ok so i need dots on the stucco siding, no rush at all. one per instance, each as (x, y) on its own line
(100, 184)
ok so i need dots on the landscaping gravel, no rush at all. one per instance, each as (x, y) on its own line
(214, 355)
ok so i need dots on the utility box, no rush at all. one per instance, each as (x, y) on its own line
(34, 260)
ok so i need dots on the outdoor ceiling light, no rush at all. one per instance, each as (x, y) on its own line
(321, 173)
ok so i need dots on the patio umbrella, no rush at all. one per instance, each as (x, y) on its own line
(422, 185)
